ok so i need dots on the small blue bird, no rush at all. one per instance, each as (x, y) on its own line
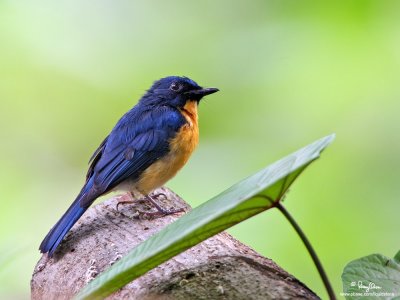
(145, 149)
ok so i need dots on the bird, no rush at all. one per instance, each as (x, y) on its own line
(146, 148)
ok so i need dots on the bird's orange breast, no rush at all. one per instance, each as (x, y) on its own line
(181, 147)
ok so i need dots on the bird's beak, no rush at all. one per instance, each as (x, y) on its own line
(198, 94)
(205, 91)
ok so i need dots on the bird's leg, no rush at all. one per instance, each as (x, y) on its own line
(161, 211)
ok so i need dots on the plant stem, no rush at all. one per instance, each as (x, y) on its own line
(310, 250)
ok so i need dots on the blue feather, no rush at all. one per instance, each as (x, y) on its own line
(71, 216)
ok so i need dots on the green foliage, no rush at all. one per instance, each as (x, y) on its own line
(375, 276)
(247, 198)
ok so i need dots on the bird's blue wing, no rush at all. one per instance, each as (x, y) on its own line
(95, 157)
(140, 138)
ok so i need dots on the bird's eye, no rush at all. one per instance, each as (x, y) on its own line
(175, 87)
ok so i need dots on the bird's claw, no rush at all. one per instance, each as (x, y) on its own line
(161, 213)
(124, 199)
(159, 195)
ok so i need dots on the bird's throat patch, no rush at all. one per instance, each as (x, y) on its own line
(189, 111)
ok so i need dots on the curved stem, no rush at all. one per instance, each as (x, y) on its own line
(310, 250)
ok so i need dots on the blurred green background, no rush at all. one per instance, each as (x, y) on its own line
(289, 72)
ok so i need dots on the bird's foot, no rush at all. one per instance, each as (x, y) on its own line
(126, 198)
(129, 198)
(160, 211)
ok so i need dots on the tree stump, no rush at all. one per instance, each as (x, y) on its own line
(219, 268)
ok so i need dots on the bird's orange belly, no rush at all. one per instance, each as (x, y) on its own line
(181, 147)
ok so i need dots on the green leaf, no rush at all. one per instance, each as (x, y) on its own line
(375, 276)
(247, 198)
(397, 257)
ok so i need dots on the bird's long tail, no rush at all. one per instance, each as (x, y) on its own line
(70, 217)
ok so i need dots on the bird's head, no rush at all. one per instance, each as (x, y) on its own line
(175, 91)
